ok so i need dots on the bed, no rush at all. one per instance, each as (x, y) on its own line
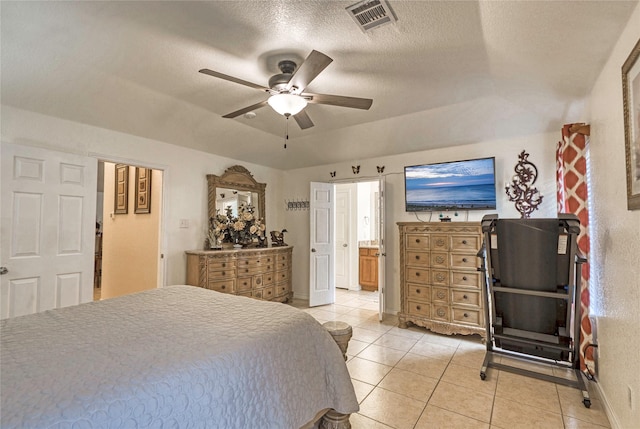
(179, 357)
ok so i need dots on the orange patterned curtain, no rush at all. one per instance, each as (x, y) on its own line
(571, 178)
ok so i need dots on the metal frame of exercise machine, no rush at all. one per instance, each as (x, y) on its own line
(510, 335)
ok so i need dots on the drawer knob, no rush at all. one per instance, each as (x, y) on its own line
(417, 274)
(258, 281)
(464, 278)
(223, 287)
(464, 259)
(417, 240)
(464, 241)
(465, 297)
(465, 315)
(418, 307)
(223, 273)
(417, 290)
(417, 257)
(224, 265)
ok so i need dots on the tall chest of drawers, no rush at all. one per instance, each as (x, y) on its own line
(440, 284)
(263, 273)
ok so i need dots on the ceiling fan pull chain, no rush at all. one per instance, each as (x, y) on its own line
(286, 133)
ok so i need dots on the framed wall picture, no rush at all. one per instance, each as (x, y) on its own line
(143, 190)
(631, 108)
(122, 189)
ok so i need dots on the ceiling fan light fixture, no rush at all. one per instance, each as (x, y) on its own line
(287, 104)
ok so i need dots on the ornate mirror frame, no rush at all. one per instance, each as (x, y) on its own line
(239, 178)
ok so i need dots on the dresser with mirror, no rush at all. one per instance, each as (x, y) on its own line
(257, 272)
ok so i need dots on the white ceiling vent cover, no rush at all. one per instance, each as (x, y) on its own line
(370, 14)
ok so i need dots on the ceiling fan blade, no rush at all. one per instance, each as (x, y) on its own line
(246, 110)
(303, 120)
(339, 100)
(233, 79)
(308, 70)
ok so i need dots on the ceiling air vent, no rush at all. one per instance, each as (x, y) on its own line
(370, 14)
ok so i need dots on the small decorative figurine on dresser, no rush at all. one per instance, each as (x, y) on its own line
(277, 238)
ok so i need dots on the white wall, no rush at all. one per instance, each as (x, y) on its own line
(185, 170)
(615, 235)
(542, 153)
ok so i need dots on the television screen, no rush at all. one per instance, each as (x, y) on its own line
(457, 185)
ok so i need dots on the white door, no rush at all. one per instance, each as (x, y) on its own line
(48, 229)
(343, 221)
(322, 238)
(382, 253)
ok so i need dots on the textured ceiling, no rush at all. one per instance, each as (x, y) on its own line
(447, 73)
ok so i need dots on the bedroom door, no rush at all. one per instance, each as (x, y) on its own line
(48, 228)
(322, 288)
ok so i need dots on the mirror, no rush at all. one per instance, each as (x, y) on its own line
(235, 187)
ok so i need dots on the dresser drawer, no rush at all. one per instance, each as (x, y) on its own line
(248, 263)
(244, 284)
(415, 258)
(281, 276)
(465, 243)
(440, 278)
(463, 260)
(417, 242)
(440, 312)
(439, 242)
(282, 289)
(465, 297)
(466, 316)
(439, 295)
(284, 257)
(220, 264)
(466, 279)
(268, 279)
(229, 273)
(417, 275)
(418, 292)
(419, 308)
(228, 286)
(282, 265)
(268, 293)
(248, 271)
(439, 260)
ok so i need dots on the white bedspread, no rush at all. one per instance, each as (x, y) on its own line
(177, 357)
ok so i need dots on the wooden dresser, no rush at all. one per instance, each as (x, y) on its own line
(263, 273)
(440, 285)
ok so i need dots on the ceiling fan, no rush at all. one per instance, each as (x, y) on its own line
(287, 90)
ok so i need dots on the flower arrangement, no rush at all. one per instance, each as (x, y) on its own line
(243, 229)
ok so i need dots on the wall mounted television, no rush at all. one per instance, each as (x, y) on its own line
(456, 185)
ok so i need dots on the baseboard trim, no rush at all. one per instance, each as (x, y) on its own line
(613, 420)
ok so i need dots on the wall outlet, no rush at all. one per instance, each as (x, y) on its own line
(184, 223)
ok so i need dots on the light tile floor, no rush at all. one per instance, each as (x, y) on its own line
(415, 379)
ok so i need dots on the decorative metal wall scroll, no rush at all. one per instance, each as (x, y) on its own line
(520, 190)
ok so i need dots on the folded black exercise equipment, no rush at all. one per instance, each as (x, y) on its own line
(532, 295)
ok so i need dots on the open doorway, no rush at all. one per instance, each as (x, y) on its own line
(358, 242)
(129, 205)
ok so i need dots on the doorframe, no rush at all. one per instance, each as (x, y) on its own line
(382, 257)
(162, 237)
